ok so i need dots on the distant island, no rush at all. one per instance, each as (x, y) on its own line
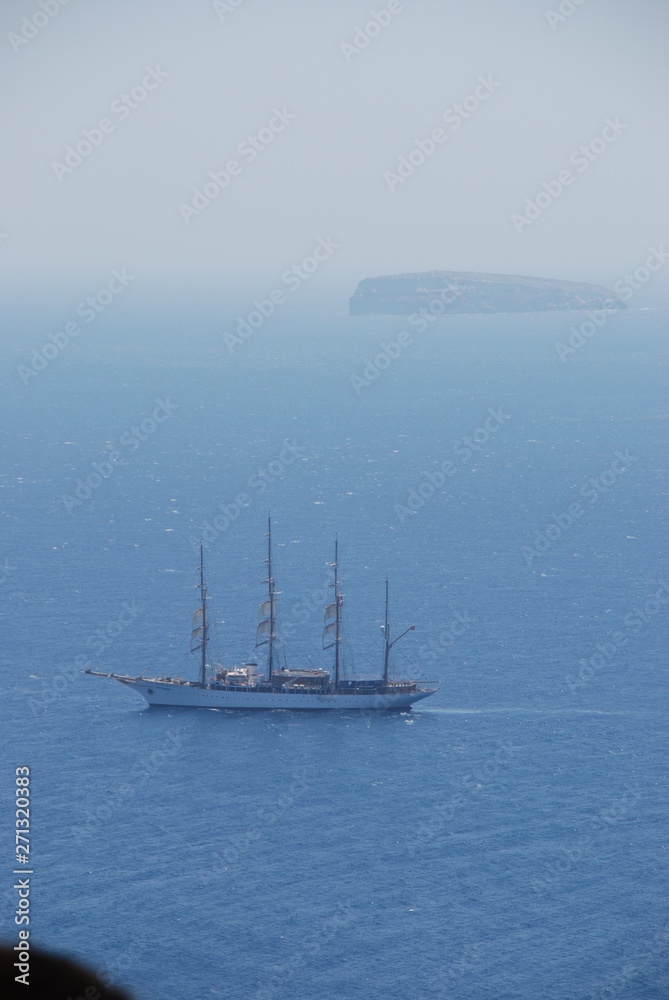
(470, 292)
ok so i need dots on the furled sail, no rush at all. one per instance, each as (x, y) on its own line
(263, 632)
(332, 619)
(265, 610)
(266, 615)
(196, 637)
(329, 635)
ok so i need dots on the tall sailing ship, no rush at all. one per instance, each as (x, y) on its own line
(278, 686)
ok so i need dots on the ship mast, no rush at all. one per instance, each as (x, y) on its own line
(386, 636)
(203, 591)
(200, 627)
(338, 604)
(388, 645)
(332, 628)
(266, 631)
(272, 599)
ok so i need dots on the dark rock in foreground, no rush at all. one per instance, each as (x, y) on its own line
(469, 292)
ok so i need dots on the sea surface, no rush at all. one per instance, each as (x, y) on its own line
(506, 838)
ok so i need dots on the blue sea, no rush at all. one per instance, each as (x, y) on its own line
(504, 839)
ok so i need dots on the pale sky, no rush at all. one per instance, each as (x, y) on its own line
(346, 116)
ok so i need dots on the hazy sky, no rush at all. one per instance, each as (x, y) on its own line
(222, 70)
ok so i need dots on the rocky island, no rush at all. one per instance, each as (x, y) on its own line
(470, 292)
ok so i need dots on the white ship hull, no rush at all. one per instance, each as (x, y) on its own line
(182, 695)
